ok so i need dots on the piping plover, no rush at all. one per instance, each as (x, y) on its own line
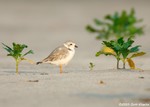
(61, 55)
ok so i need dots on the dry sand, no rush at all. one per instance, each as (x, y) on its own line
(44, 25)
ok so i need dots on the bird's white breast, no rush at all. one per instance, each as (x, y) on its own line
(65, 60)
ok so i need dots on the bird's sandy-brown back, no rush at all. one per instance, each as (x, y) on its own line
(59, 53)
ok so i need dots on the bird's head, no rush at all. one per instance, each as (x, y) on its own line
(70, 45)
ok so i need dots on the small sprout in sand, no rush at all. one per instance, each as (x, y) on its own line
(121, 50)
(16, 53)
(91, 66)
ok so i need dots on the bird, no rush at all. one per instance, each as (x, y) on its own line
(60, 56)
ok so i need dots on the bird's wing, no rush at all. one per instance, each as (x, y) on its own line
(58, 54)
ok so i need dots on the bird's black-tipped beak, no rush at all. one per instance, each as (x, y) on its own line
(76, 46)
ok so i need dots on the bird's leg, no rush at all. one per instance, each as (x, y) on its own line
(60, 66)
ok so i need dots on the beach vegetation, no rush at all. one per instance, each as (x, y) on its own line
(122, 50)
(17, 53)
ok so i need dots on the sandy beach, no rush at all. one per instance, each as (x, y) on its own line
(44, 25)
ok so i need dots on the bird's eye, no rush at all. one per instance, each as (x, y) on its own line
(71, 44)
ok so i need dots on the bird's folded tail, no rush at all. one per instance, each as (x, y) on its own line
(38, 63)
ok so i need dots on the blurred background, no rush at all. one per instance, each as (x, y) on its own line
(46, 24)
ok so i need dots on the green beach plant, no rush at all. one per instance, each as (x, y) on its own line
(118, 30)
(117, 25)
(121, 50)
(91, 66)
(16, 53)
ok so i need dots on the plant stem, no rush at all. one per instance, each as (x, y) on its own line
(118, 63)
(17, 64)
(124, 64)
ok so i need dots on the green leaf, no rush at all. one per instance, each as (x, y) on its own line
(138, 54)
(106, 43)
(125, 53)
(90, 29)
(7, 48)
(135, 49)
(29, 52)
(120, 41)
(128, 44)
(98, 53)
(98, 22)
(116, 46)
(132, 12)
(116, 16)
(17, 49)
